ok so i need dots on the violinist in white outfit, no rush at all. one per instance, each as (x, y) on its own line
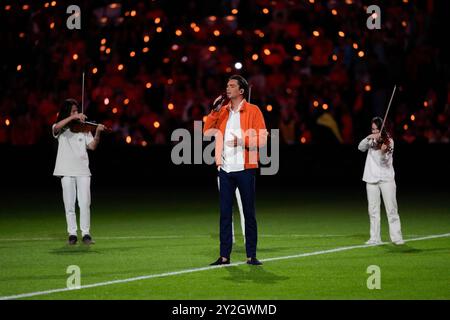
(379, 177)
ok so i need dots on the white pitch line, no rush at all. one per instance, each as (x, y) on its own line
(168, 274)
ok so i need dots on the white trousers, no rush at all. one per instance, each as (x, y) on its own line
(73, 188)
(388, 191)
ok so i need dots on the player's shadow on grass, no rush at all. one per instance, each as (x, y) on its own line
(255, 274)
(84, 249)
(400, 249)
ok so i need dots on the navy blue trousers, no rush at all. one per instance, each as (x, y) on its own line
(245, 182)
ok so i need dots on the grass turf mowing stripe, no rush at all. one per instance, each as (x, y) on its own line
(178, 237)
(31, 294)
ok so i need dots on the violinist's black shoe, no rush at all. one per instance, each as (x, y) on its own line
(72, 240)
(87, 239)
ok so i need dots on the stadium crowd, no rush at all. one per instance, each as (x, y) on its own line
(318, 73)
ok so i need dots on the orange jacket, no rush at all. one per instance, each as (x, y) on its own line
(253, 128)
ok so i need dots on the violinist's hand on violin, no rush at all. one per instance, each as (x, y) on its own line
(80, 116)
(374, 136)
(384, 147)
(100, 128)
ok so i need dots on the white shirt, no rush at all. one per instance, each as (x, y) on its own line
(72, 158)
(378, 165)
(233, 157)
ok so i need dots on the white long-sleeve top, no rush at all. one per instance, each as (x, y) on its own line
(378, 165)
(72, 158)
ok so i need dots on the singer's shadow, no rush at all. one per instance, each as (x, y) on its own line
(255, 274)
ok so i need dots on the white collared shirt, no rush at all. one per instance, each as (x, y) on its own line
(233, 157)
(378, 165)
(72, 158)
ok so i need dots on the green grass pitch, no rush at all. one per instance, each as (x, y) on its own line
(152, 233)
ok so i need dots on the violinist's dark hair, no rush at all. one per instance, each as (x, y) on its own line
(66, 108)
(243, 84)
(379, 122)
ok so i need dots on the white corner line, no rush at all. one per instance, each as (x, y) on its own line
(168, 274)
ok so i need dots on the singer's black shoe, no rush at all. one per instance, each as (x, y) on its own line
(254, 262)
(219, 262)
(72, 240)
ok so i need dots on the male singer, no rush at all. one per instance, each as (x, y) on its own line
(240, 131)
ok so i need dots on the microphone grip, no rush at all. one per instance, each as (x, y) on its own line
(218, 104)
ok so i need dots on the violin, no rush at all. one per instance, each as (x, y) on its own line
(77, 126)
(383, 139)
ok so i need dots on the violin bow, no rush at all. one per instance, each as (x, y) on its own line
(387, 111)
(82, 94)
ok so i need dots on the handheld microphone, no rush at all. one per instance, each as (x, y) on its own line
(218, 104)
